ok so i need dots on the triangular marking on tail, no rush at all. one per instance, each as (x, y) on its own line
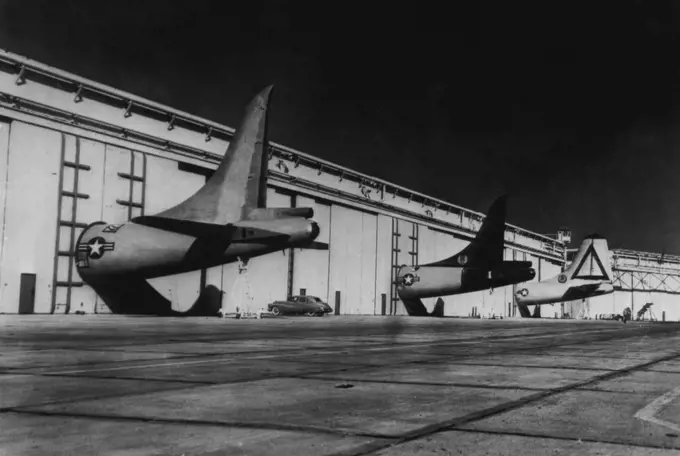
(590, 267)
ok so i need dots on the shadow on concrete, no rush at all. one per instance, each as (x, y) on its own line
(131, 295)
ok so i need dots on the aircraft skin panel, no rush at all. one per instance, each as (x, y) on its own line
(430, 281)
(132, 248)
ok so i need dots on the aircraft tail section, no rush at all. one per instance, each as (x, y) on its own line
(415, 308)
(524, 311)
(239, 184)
(592, 260)
(486, 249)
(438, 310)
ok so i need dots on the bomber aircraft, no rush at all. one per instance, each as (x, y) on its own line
(224, 221)
(479, 266)
(589, 275)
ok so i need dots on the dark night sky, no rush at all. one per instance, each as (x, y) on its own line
(569, 107)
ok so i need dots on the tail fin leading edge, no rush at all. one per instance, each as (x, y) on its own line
(486, 249)
(239, 184)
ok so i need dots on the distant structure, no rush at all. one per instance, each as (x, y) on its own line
(73, 150)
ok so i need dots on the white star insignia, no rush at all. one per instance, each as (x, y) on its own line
(96, 248)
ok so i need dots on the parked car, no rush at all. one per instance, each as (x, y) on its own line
(308, 305)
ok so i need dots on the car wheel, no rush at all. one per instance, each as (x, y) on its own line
(276, 311)
(310, 314)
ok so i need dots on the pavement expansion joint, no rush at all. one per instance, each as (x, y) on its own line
(454, 423)
(526, 366)
(195, 422)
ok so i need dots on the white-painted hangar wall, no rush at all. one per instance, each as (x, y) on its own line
(53, 184)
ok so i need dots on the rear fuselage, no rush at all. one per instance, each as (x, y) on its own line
(432, 281)
(131, 248)
(553, 291)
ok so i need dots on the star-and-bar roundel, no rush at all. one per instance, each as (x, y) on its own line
(409, 279)
(96, 247)
(523, 292)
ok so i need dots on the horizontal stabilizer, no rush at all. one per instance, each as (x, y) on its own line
(438, 310)
(316, 245)
(280, 212)
(580, 292)
(415, 307)
(524, 311)
(210, 231)
(186, 227)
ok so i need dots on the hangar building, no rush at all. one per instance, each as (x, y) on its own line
(639, 278)
(73, 151)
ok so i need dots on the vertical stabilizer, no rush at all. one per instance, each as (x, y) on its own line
(239, 183)
(486, 249)
(592, 260)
